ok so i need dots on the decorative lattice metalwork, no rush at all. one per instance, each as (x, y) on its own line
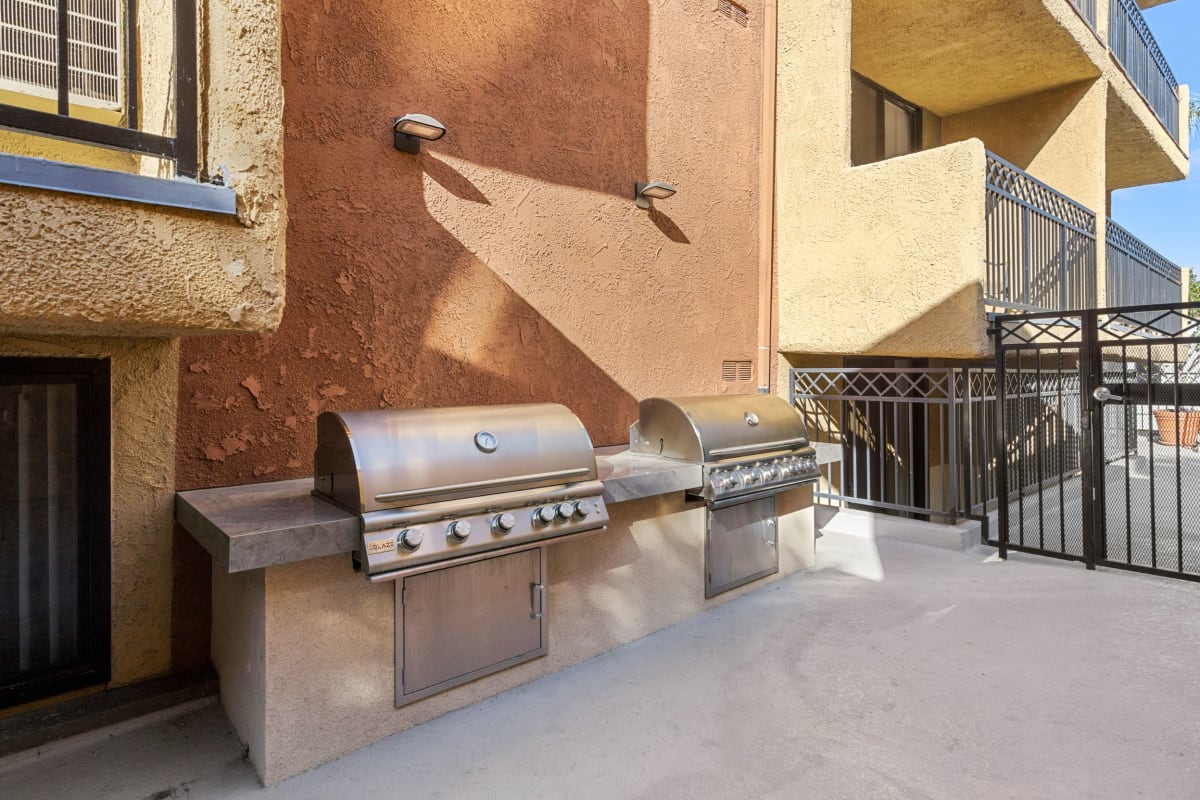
(1159, 323)
(914, 385)
(1011, 180)
(1143, 254)
(1033, 330)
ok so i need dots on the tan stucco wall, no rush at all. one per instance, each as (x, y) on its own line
(86, 266)
(329, 633)
(885, 258)
(507, 262)
(144, 380)
(1056, 136)
(888, 259)
(951, 57)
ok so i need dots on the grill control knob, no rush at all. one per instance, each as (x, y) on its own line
(731, 481)
(544, 515)
(459, 530)
(409, 539)
(565, 511)
(770, 473)
(503, 523)
(583, 508)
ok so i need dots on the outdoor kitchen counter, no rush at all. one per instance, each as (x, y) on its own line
(267, 524)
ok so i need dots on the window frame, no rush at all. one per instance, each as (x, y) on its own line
(182, 148)
(884, 95)
(93, 380)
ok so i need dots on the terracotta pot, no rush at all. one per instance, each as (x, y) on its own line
(1187, 431)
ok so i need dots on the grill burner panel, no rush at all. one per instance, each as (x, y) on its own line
(749, 445)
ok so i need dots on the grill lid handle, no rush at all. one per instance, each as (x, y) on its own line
(760, 447)
(491, 483)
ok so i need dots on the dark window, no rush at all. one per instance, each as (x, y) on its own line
(882, 125)
(70, 69)
(54, 526)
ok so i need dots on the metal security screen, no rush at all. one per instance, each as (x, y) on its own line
(29, 49)
(54, 529)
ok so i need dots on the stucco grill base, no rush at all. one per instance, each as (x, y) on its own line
(305, 651)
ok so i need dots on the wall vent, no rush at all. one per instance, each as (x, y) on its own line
(737, 13)
(736, 371)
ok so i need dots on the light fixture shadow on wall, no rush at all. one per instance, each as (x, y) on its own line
(644, 193)
(410, 130)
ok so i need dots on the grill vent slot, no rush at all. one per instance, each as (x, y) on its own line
(735, 12)
(736, 371)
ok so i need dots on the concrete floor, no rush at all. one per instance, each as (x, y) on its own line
(902, 668)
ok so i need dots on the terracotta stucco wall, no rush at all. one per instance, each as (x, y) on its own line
(507, 262)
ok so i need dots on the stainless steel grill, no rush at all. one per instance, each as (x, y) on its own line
(751, 448)
(433, 485)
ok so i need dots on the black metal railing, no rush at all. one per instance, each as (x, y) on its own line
(1134, 47)
(1087, 10)
(885, 421)
(1041, 244)
(1137, 274)
(65, 49)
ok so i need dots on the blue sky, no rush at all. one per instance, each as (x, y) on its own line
(1166, 216)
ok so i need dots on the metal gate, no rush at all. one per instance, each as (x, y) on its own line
(1100, 417)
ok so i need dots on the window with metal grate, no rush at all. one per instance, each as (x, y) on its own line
(61, 59)
(29, 50)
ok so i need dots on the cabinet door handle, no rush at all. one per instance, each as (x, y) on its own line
(537, 592)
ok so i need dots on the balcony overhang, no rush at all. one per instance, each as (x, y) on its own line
(1138, 149)
(953, 57)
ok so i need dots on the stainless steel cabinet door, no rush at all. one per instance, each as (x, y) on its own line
(741, 545)
(457, 624)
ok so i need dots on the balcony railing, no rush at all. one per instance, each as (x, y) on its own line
(1137, 274)
(1087, 10)
(1134, 47)
(1041, 244)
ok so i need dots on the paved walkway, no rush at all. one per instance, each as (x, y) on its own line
(904, 668)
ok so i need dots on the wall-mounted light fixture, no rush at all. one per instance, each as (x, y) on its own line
(643, 193)
(409, 130)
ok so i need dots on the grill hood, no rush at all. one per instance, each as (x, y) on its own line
(716, 428)
(390, 459)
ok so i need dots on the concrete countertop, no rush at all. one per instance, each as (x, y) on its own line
(827, 452)
(266, 524)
